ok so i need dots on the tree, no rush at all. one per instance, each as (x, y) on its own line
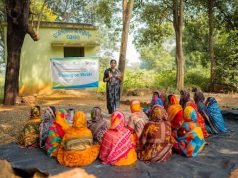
(127, 12)
(157, 13)
(178, 22)
(17, 27)
(218, 31)
(2, 20)
(210, 6)
(75, 11)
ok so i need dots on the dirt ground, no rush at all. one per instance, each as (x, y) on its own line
(12, 118)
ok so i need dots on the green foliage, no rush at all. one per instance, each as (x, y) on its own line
(150, 79)
(156, 58)
(227, 60)
(165, 80)
(138, 79)
(76, 11)
(197, 78)
(102, 85)
(47, 14)
(108, 40)
(104, 12)
(196, 41)
(226, 13)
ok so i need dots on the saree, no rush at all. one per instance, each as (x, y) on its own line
(200, 119)
(175, 112)
(189, 140)
(202, 109)
(154, 143)
(48, 119)
(29, 137)
(76, 148)
(117, 147)
(97, 125)
(137, 120)
(56, 133)
(184, 98)
(112, 89)
(215, 113)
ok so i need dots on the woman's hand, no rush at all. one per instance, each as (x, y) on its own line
(119, 76)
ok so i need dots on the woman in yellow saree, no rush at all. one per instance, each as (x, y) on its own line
(29, 136)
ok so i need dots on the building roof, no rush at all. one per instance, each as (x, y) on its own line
(62, 25)
(67, 25)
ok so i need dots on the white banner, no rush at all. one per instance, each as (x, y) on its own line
(75, 72)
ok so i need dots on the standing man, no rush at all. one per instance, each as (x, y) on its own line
(113, 78)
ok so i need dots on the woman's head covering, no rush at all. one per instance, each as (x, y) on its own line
(53, 109)
(172, 100)
(158, 113)
(48, 119)
(49, 113)
(190, 114)
(210, 101)
(79, 120)
(184, 97)
(158, 93)
(97, 125)
(35, 111)
(215, 113)
(185, 94)
(116, 142)
(198, 96)
(135, 106)
(117, 120)
(175, 112)
(62, 118)
(65, 114)
(96, 114)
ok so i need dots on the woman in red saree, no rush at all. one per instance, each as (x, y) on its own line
(117, 147)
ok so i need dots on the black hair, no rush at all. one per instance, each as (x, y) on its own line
(113, 60)
(169, 97)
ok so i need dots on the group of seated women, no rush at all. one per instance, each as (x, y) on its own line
(151, 136)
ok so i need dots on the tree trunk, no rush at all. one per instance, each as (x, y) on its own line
(127, 13)
(17, 27)
(211, 44)
(178, 22)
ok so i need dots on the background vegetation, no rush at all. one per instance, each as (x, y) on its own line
(154, 38)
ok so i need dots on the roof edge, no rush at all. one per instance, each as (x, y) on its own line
(63, 25)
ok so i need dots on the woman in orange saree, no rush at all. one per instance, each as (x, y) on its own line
(77, 147)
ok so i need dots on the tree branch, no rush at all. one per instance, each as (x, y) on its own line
(40, 15)
(34, 35)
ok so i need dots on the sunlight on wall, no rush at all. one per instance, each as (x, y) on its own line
(35, 64)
